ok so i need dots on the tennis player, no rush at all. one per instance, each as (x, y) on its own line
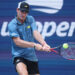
(23, 30)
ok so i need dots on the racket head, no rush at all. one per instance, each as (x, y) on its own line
(68, 53)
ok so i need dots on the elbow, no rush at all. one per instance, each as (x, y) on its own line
(16, 41)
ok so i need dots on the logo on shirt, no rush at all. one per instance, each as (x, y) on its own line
(46, 6)
(28, 27)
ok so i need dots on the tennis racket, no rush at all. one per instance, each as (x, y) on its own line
(68, 53)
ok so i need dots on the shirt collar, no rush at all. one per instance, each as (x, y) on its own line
(18, 22)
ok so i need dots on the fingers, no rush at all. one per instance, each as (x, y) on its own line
(43, 48)
(38, 47)
(46, 48)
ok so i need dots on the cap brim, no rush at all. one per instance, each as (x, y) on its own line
(24, 10)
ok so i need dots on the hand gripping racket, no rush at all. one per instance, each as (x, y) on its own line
(68, 53)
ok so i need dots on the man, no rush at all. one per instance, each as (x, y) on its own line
(23, 30)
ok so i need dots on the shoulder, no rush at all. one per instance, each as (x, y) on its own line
(12, 24)
(30, 18)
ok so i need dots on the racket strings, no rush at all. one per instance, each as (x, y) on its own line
(70, 52)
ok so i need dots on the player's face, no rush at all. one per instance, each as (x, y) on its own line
(21, 15)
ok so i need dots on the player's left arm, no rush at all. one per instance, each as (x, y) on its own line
(38, 36)
(40, 39)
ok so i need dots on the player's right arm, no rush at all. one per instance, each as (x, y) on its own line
(21, 43)
(13, 33)
(25, 44)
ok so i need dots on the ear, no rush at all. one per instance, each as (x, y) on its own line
(17, 10)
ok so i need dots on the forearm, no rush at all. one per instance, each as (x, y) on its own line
(39, 37)
(24, 44)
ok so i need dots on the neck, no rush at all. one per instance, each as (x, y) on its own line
(22, 21)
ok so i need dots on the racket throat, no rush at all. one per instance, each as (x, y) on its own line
(54, 51)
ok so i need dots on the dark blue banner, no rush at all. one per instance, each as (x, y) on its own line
(55, 20)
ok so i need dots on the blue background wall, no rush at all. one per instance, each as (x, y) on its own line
(49, 63)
